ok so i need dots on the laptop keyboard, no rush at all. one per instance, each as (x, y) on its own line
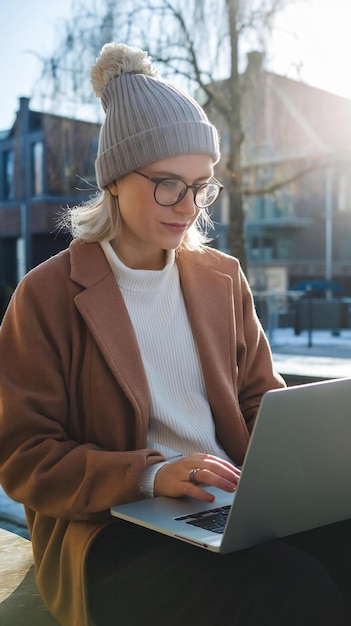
(213, 519)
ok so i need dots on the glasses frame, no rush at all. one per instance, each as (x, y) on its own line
(157, 181)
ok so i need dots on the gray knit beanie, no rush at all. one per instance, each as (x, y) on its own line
(147, 119)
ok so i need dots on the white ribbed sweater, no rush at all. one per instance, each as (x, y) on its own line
(180, 415)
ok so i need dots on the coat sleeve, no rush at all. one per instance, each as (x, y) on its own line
(43, 464)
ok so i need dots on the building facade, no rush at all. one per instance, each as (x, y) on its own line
(296, 169)
(47, 163)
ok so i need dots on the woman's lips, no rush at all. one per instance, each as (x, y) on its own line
(175, 227)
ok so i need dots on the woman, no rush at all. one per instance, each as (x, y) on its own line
(137, 345)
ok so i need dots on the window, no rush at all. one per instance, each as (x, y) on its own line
(37, 154)
(268, 248)
(8, 175)
(343, 193)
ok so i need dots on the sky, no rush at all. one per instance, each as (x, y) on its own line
(27, 28)
(312, 44)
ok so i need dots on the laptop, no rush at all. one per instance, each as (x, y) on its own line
(295, 476)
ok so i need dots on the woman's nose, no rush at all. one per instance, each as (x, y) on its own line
(187, 204)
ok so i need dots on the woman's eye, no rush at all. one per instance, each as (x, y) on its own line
(169, 183)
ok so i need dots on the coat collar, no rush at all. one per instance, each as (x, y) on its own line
(209, 307)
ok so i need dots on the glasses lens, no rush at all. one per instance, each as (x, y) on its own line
(206, 195)
(170, 191)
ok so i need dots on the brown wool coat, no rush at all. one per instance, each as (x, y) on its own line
(74, 400)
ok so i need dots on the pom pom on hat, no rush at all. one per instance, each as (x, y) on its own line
(114, 60)
(147, 119)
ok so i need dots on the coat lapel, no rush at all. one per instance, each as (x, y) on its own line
(102, 307)
(211, 312)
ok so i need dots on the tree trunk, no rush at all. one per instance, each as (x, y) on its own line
(236, 232)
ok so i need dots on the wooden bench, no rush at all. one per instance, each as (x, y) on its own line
(20, 602)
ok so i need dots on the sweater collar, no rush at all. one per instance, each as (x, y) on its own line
(145, 281)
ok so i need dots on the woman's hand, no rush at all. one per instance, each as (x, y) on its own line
(175, 479)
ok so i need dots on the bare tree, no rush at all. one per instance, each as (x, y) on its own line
(197, 42)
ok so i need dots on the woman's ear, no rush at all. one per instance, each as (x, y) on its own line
(113, 188)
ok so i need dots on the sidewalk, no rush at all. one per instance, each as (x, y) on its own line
(328, 357)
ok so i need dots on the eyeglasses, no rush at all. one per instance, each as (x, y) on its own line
(170, 191)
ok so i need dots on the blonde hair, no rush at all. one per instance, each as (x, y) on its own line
(99, 219)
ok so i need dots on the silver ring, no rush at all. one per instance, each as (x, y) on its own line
(192, 475)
